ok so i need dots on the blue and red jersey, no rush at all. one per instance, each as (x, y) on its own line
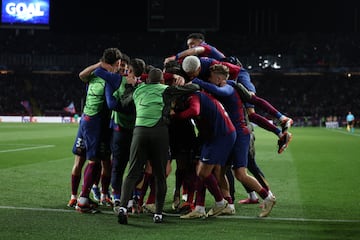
(211, 52)
(236, 73)
(207, 62)
(209, 115)
(230, 99)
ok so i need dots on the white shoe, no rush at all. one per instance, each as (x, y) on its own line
(268, 204)
(216, 210)
(193, 214)
(228, 210)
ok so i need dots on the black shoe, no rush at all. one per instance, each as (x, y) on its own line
(116, 207)
(122, 216)
(157, 218)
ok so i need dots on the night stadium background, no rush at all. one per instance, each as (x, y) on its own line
(303, 57)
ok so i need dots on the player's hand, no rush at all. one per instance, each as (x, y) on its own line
(179, 80)
(130, 79)
(169, 59)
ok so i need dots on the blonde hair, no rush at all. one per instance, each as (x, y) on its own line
(220, 69)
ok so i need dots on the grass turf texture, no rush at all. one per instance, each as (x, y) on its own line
(315, 181)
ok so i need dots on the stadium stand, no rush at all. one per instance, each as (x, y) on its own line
(311, 76)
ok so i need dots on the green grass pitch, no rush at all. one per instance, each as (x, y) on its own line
(316, 183)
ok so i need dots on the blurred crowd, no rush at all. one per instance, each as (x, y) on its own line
(315, 76)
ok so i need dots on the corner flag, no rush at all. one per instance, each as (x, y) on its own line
(70, 108)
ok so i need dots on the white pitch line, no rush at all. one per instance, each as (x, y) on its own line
(343, 132)
(36, 209)
(177, 215)
(294, 219)
(27, 148)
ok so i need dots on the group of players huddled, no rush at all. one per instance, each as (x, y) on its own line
(196, 110)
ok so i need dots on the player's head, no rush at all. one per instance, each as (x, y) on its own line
(155, 76)
(174, 67)
(125, 60)
(112, 56)
(137, 66)
(148, 68)
(194, 39)
(218, 74)
(191, 66)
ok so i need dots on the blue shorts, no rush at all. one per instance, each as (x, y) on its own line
(79, 144)
(217, 151)
(239, 153)
(96, 135)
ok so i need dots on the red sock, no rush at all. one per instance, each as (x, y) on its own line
(263, 193)
(75, 182)
(229, 199)
(213, 187)
(265, 105)
(89, 176)
(264, 123)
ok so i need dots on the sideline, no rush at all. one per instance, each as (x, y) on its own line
(25, 149)
(177, 215)
(340, 130)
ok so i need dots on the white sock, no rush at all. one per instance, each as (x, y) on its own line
(252, 195)
(221, 203)
(269, 197)
(270, 193)
(200, 208)
(83, 200)
(184, 197)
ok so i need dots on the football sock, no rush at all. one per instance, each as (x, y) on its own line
(213, 187)
(252, 195)
(264, 123)
(220, 203)
(75, 182)
(263, 193)
(266, 106)
(200, 208)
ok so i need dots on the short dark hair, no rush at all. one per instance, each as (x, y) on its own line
(172, 66)
(155, 75)
(196, 36)
(125, 58)
(138, 66)
(111, 55)
(148, 67)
